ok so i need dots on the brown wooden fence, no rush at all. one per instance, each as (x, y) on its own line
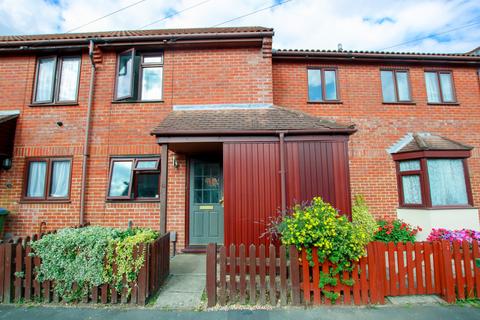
(18, 277)
(283, 275)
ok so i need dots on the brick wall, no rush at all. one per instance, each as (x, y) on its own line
(201, 76)
(381, 125)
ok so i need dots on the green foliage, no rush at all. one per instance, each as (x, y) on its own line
(127, 265)
(326, 279)
(362, 218)
(336, 239)
(320, 225)
(80, 256)
(395, 231)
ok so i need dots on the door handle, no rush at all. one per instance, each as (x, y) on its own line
(221, 201)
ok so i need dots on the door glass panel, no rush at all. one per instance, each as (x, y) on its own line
(206, 183)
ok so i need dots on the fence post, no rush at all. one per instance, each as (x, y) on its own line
(448, 284)
(295, 275)
(212, 274)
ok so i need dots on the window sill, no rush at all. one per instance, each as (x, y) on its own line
(136, 101)
(325, 102)
(60, 104)
(439, 208)
(132, 201)
(443, 103)
(24, 201)
(400, 102)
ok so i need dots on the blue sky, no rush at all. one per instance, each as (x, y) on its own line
(442, 25)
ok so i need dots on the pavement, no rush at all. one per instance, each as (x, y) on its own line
(184, 287)
(417, 312)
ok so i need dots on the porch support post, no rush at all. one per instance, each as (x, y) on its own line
(163, 188)
(282, 173)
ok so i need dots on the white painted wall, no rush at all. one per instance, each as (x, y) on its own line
(445, 218)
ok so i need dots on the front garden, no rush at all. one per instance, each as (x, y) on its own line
(326, 259)
(90, 264)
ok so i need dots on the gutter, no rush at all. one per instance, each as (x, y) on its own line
(87, 133)
(349, 131)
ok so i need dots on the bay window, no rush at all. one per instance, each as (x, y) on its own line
(139, 76)
(47, 179)
(134, 179)
(57, 80)
(433, 180)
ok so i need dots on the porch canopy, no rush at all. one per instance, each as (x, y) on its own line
(273, 157)
(8, 123)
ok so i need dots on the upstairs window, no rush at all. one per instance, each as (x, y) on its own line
(57, 80)
(134, 179)
(434, 182)
(47, 179)
(395, 86)
(139, 76)
(439, 86)
(322, 85)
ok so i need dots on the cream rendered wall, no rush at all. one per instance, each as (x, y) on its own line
(444, 218)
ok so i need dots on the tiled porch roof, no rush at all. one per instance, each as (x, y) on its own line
(423, 141)
(243, 121)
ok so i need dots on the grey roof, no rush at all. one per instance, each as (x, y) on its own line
(369, 52)
(423, 141)
(167, 33)
(235, 121)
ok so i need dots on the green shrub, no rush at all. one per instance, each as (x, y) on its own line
(320, 225)
(362, 218)
(81, 256)
(395, 231)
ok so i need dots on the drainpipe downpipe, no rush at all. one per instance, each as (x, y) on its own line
(87, 133)
(283, 188)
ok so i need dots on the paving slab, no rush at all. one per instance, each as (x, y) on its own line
(417, 299)
(184, 288)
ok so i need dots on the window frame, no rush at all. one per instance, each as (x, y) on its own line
(395, 86)
(133, 187)
(144, 65)
(323, 87)
(48, 179)
(54, 99)
(423, 157)
(137, 75)
(437, 74)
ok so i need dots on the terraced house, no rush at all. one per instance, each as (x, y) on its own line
(210, 133)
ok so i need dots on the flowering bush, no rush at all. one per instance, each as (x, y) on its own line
(320, 225)
(395, 231)
(452, 235)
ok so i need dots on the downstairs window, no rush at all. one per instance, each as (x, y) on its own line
(134, 179)
(434, 182)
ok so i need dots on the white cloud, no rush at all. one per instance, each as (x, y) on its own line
(358, 25)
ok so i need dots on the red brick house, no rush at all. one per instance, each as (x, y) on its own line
(210, 132)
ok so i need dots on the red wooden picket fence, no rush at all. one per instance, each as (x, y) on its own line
(282, 275)
(18, 277)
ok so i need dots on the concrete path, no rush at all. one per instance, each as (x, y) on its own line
(184, 288)
(431, 312)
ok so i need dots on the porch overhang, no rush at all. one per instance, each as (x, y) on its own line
(8, 123)
(236, 124)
